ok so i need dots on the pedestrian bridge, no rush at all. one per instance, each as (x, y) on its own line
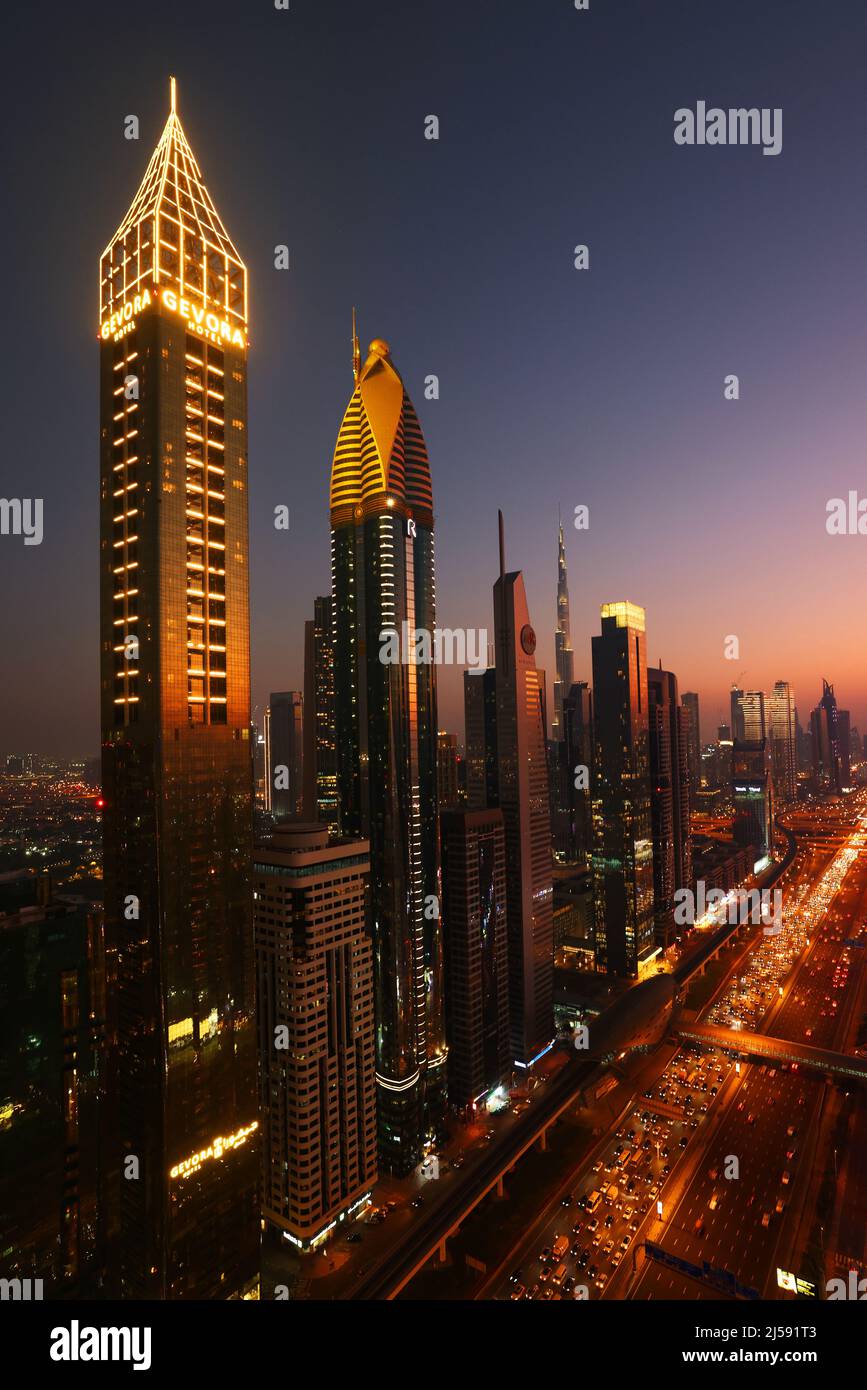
(774, 1049)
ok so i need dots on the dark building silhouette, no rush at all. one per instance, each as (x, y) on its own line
(480, 728)
(447, 770)
(689, 701)
(177, 768)
(622, 829)
(476, 953)
(572, 819)
(319, 775)
(826, 743)
(284, 754)
(382, 555)
(669, 729)
(752, 793)
(564, 661)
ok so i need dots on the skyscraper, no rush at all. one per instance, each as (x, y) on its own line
(749, 715)
(480, 730)
(284, 753)
(753, 796)
(573, 823)
(382, 559)
(689, 701)
(314, 967)
(522, 789)
(447, 770)
(562, 640)
(669, 729)
(476, 953)
(782, 729)
(320, 739)
(622, 838)
(825, 729)
(177, 770)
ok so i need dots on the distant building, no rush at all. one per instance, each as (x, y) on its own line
(284, 754)
(828, 770)
(622, 833)
(522, 790)
(669, 730)
(784, 751)
(319, 774)
(749, 715)
(752, 792)
(447, 771)
(564, 661)
(317, 1071)
(480, 732)
(476, 953)
(689, 701)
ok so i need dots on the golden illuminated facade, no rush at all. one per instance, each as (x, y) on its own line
(382, 577)
(177, 772)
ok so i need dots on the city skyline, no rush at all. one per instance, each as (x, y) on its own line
(626, 415)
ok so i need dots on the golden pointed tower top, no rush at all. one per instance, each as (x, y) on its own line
(356, 350)
(173, 94)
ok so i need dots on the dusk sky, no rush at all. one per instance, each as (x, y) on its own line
(558, 387)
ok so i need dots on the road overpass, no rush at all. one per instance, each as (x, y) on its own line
(774, 1049)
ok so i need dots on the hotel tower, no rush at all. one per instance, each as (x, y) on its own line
(182, 1160)
(382, 570)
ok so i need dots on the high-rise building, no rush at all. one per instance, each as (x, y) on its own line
(564, 662)
(572, 822)
(622, 834)
(382, 558)
(752, 793)
(522, 789)
(476, 953)
(447, 770)
(320, 737)
(177, 768)
(480, 732)
(669, 730)
(689, 701)
(845, 741)
(782, 731)
(317, 1069)
(749, 715)
(825, 730)
(284, 753)
(53, 1010)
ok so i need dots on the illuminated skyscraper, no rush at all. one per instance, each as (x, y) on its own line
(752, 794)
(689, 701)
(622, 842)
(320, 739)
(177, 771)
(562, 641)
(522, 792)
(669, 727)
(382, 566)
(782, 727)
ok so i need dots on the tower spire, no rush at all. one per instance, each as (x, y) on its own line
(356, 351)
(173, 95)
(502, 543)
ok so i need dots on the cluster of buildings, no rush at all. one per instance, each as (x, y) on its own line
(277, 1018)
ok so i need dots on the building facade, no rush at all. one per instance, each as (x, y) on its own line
(320, 736)
(753, 795)
(476, 953)
(177, 768)
(383, 589)
(284, 753)
(523, 797)
(563, 656)
(782, 730)
(622, 831)
(669, 729)
(317, 1068)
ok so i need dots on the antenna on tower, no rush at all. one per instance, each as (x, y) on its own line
(356, 352)
(502, 543)
(173, 90)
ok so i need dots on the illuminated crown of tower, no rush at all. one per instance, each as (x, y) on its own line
(380, 453)
(173, 236)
